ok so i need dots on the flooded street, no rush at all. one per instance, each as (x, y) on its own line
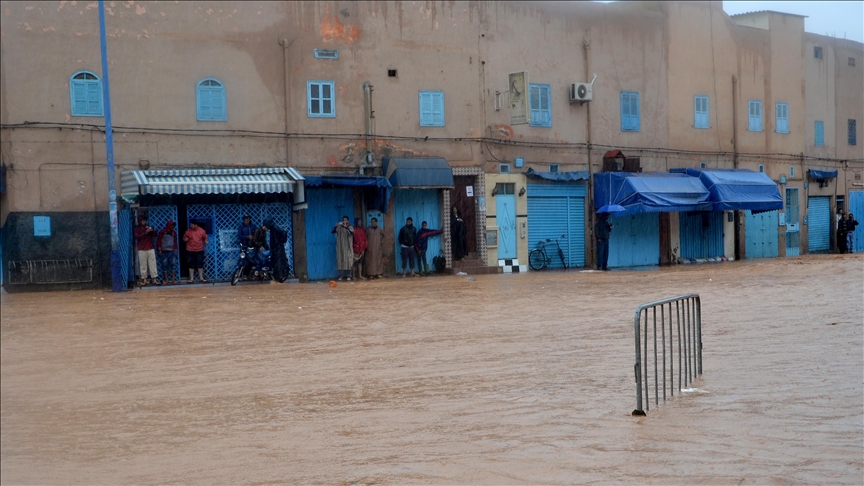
(508, 379)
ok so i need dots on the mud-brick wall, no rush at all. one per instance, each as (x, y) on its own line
(74, 235)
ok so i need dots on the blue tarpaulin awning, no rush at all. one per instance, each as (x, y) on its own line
(418, 172)
(822, 175)
(739, 189)
(579, 175)
(650, 192)
(382, 187)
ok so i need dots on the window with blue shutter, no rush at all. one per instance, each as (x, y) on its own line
(629, 111)
(700, 111)
(85, 90)
(755, 111)
(431, 108)
(819, 128)
(541, 105)
(852, 128)
(210, 99)
(781, 117)
(321, 98)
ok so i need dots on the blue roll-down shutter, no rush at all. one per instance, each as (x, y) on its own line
(553, 210)
(819, 223)
(701, 234)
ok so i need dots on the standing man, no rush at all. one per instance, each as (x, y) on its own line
(850, 233)
(602, 230)
(360, 245)
(407, 239)
(842, 229)
(146, 252)
(167, 243)
(422, 245)
(196, 242)
(244, 232)
(374, 250)
(344, 248)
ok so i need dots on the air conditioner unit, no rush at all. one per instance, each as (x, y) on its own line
(580, 92)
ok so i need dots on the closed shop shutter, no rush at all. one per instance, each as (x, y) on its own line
(819, 223)
(701, 234)
(760, 233)
(635, 240)
(555, 210)
(856, 208)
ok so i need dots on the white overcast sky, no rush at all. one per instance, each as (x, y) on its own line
(838, 19)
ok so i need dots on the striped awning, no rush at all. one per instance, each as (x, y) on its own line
(262, 180)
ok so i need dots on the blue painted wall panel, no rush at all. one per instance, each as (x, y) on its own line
(635, 240)
(420, 205)
(326, 208)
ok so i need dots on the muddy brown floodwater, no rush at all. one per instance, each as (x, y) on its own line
(508, 379)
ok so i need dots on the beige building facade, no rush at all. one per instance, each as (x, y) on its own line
(334, 88)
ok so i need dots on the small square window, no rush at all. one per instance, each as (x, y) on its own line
(553, 167)
(321, 99)
(703, 165)
(391, 73)
(851, 61)
(503, 168)
(791, 171)
(328, 54)
(762, 168)
(817, 52)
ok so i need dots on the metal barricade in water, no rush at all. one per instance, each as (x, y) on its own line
(684, 317)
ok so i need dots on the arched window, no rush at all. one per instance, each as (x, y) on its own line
(211, 100)
(85, 94)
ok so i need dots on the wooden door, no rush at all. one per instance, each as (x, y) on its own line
(459, 198)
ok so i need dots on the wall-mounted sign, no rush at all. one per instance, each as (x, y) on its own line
(469, 191)
(41, 226)
(519, 114)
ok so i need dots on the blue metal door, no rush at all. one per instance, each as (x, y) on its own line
(635, 240)
(505, 219)
(701, 234)
(856, 208)
(326, 208)
(555, 210)
(420, 205)
(819, 223)
(760, 234)
(793, 221)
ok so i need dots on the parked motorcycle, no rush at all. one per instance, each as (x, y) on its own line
(245, 264)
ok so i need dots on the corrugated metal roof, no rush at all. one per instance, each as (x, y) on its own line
(769, 11)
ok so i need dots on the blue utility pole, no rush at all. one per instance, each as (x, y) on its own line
(117, 285)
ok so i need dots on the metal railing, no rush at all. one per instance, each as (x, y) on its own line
(686, 335)
(78, 270)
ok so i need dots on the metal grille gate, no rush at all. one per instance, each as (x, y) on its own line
(223, 250)
(687, 335)
(125, 230)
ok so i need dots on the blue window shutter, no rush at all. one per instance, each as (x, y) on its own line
(85, 91)
(79, 98)
(425, 109)
(545, 106)
(321, 99)
(94, 98)
(755, 111)
(217, 103)
(203, 102)
(700, 111)
(534, 99)
(630, 112)
(819, 128)
(781, 111)
(438, 109)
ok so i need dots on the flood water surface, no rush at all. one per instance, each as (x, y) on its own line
(506, 379)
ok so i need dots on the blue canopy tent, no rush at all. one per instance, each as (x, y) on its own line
(650, 192)
(382, 194)
(418, 172)
(739, 189)
(575, 176)
(822, 175)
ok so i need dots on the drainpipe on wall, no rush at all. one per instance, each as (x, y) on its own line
(735, 121)
(592, 257)
(285, 44)
(369, 114)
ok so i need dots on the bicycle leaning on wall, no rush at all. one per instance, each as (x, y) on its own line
(539, 258)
